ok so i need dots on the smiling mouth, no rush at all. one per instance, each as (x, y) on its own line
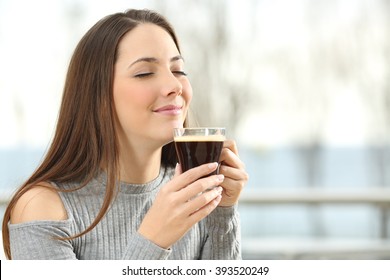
(169, 110)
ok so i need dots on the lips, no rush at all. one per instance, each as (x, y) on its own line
(171, 110)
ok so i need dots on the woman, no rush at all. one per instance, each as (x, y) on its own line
(109, 186)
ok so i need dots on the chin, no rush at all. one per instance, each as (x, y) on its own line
(165, 131)
(165, 142)
(166, 136)
(178, 124)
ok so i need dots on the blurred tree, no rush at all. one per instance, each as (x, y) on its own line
(220, 99)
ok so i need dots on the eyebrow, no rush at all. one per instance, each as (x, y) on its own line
(155, 60)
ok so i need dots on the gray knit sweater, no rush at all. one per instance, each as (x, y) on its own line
(115, 237)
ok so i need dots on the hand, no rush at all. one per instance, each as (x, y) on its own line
(180, 204)
(234, 171)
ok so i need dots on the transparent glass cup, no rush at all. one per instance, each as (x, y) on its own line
(197, 146)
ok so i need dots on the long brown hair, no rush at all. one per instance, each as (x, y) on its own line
(85, 139)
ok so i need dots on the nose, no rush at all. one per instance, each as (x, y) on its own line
(172, 85)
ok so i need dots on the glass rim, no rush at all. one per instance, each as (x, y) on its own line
(198, 132)
(199, 128)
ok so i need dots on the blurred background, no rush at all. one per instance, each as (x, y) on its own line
(302, 85)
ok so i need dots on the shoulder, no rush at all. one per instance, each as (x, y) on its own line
(41, 202)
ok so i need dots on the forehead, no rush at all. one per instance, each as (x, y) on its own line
(146, 39)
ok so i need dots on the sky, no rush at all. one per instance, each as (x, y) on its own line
(36, 42)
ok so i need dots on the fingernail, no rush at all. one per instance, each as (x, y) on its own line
(220, 177)
(219, 190)
(213, 165)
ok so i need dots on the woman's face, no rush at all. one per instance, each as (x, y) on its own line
(151, 90)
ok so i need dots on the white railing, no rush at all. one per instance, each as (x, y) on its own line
(375, 196)
(315, 248)
(298, 248)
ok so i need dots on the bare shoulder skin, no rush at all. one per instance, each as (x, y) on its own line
(39, 203)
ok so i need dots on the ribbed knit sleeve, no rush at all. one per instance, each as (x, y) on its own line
(139, 248)
(224, 235)
(40, 240)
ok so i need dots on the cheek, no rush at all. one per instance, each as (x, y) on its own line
(187, 92)
(130, 104)
(126, 97)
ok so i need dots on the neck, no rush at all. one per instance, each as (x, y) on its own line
(139, 166)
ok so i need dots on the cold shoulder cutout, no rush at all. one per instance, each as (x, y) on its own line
(38, 204)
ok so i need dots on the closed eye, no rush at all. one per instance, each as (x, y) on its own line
(143, 75)
(180, 73)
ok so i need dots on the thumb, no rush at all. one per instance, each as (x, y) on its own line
(177, 170)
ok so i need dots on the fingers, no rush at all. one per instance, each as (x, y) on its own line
(181, 203)
(232, 188)
(192, 195)
(206, 209)
(202, 200)
(191, 192)
(180, 181)
(231, 145)
(233, 173)
(232, 168)
(178, 170)
(229, 155)
(200, 186)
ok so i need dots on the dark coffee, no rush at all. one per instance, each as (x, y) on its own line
(195, 151)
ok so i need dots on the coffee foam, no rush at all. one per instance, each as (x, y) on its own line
(200, 138)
